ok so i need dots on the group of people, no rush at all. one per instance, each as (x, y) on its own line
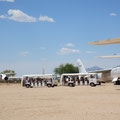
(35, 81)
(77, 80)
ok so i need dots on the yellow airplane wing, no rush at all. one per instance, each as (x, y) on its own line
(110, 56)
(106, 42)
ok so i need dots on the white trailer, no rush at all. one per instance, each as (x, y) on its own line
(39, 80)
(72, 79)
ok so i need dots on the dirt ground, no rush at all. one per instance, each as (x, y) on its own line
(60, 103)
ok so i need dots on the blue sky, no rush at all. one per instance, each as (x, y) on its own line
(36, 34)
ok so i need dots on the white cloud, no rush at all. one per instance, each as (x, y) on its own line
(64, 51)
(43, 48)
(46, 18)
(20, 16)
(90, 52)
(2, 16)
(113, 14)
(25, 53)
(7, 0)
(69, 45)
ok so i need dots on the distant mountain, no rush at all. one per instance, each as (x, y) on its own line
(94, 68)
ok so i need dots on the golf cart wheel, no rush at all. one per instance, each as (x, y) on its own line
(49, 85)
(70, 84)
(92, 85)
(27, 86)
(73, 85)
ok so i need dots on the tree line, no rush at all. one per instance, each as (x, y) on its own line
(67, 68)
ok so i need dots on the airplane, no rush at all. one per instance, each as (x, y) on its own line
(115, 56)
(111, 74)
(3, 76)
(106, 75)
(106, 42)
